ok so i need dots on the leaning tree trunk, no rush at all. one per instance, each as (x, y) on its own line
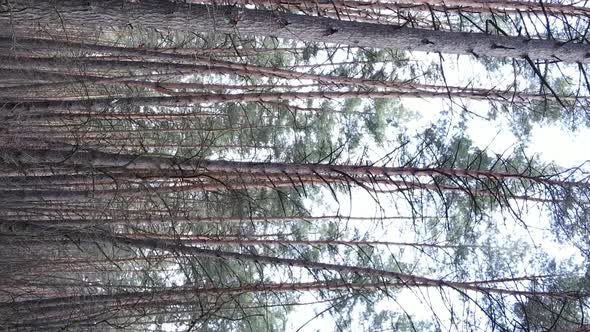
(54, 16)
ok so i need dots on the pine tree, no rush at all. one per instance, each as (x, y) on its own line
(160, 175)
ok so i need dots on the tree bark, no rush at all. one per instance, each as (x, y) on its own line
(28, 14)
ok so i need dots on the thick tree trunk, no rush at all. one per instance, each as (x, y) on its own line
(30, 14)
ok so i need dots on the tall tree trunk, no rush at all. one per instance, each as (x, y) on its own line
(481, 6)
(409, 280)
(98, 159)
(29, 14)
(40, 107)
(250, 241)
(194, 64)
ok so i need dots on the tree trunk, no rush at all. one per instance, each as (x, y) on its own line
(98, 159)
(150, 219)
(409, 280)
(536, 6)
(470, 6)
(31, 14)
(194, 64)
(39, 107)
(250, 241)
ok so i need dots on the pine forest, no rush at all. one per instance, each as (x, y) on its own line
(291, 165)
